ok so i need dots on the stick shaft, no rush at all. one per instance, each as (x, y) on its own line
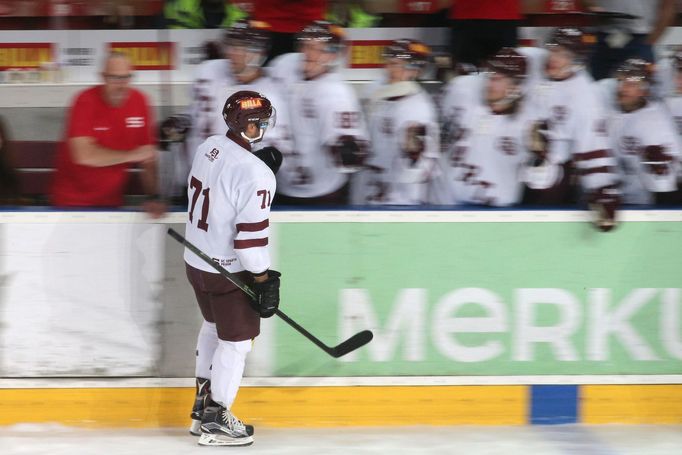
(237, 282)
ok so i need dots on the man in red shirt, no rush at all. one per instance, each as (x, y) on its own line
(110, 126)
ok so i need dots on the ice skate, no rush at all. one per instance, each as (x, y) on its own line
(221, 428)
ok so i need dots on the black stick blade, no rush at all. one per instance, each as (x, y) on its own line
(351, 344)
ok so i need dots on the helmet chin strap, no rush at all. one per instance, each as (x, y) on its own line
(253, 140)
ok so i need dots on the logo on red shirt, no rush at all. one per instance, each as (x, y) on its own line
(134, 122)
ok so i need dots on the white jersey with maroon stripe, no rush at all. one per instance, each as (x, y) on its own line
(630, 134)
(578, 131)
(230, 191)
(395, 176)
(210, 89)
(486, 160)
(321, 111)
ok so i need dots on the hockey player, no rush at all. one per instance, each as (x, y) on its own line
(330, 134)
(245, 46)
(486, 159)
(571, 140)
(644, 137)
(230, 190)
(404, 131)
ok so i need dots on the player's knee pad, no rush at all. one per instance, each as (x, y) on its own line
(239, 347)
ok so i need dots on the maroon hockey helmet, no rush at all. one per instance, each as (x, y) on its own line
(508, 62)
(248, 33)
(635, 69)
(574, 39)
(415, 53)
(245, 107)
(326, 32)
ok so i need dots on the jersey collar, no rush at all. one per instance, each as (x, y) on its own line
(238, 140)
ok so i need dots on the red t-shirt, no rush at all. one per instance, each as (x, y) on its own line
(288, 16)
(486, 9)
(118, 128)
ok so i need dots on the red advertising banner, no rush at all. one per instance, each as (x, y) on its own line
(25, 55)
(367, 53)
(148, 55)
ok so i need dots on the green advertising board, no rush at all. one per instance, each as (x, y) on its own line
(482, 298)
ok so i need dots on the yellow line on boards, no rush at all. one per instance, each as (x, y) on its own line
(633, 404)
(272, 406)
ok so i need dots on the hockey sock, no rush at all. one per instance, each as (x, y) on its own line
(207, 342)
(228, 368)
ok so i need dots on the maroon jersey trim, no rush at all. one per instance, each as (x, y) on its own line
(253, 227)
(250, 243)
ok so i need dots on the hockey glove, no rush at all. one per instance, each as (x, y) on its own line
(267, 294)
(656, 159)
(604, 202)
(270, 156)
(350, 153)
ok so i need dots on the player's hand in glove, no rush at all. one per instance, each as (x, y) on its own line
(270, 156)
(604, 202)
(267, 294)
(350, 153)
(656, 159)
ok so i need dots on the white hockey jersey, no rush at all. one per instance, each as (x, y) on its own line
(578, 127)
(321, 110)
(486, 161)
(230, 191)
(459, 95)
(393, 175)
(285, 71)
(674, 104)
(210, 88)
(630, 134)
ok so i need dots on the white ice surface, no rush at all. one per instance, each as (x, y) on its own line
(469, 440)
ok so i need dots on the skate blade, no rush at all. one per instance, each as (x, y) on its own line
(208, 439)
(195, 428)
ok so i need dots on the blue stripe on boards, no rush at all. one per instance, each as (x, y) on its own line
(553, 404)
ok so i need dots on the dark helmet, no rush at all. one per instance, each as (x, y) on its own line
(325, 32)
(415, 53)
(252, 34)
(508, 62)
(635, 69)
(245, 107)
(574, 39)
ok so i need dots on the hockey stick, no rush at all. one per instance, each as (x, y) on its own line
(351, 344)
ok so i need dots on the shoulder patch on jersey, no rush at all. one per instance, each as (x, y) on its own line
(212, 155)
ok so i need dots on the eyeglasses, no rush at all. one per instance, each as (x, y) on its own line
(118, 77)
